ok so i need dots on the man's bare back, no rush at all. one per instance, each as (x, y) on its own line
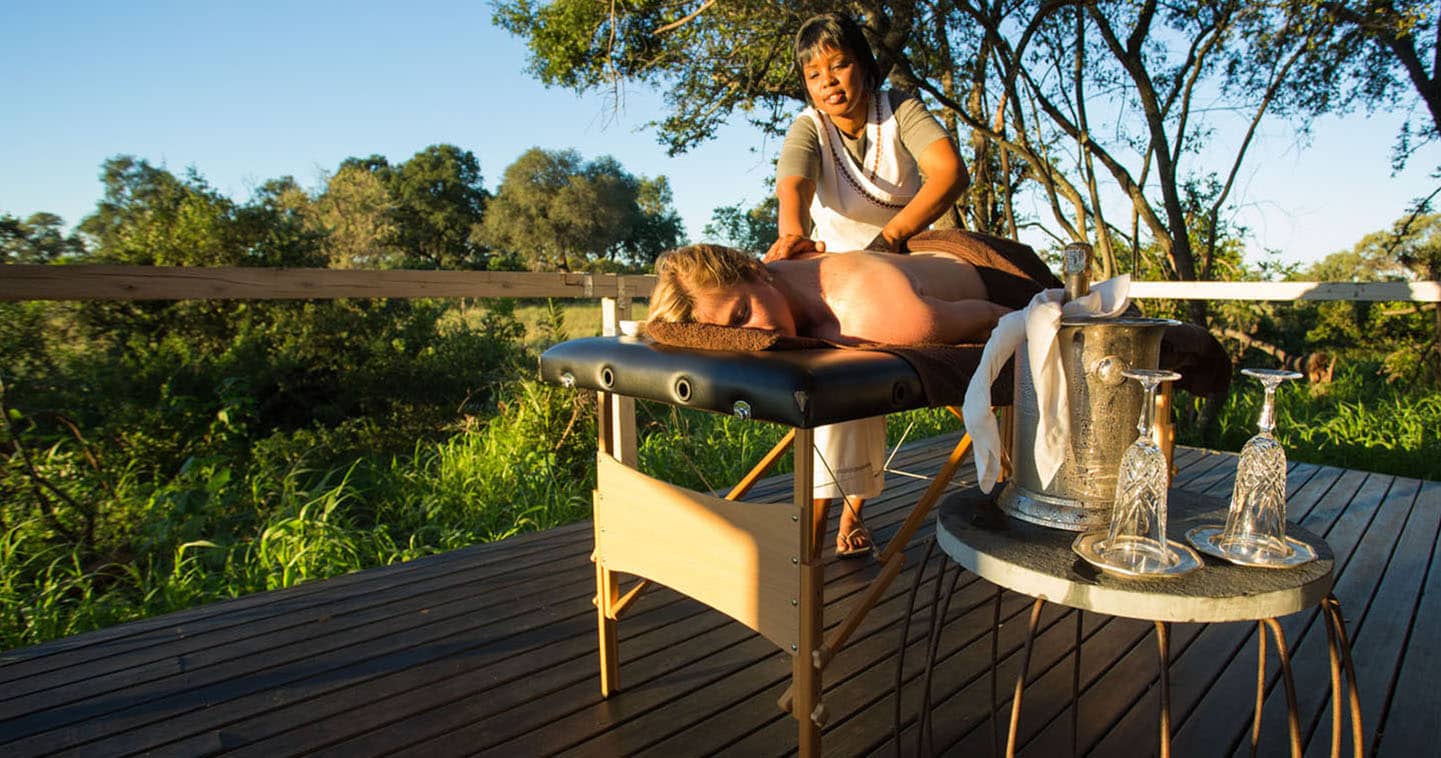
(886, 298)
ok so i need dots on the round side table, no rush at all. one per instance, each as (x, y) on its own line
(1038, 562)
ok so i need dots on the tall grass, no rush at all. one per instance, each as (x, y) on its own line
(528, 468)
(1357, 421)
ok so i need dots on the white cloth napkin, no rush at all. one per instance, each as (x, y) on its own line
(1037, 326)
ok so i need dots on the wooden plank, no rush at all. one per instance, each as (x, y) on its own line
(1227, 705)
(478, 671)
(870, 710)
(860, 673)
(559, 696)
(1410, 725)
(1421, 292)
(91, 675)
(395, 707)
(1379, 584)
(561, 707)
(79, 650)
(210, 677)
(117, 282)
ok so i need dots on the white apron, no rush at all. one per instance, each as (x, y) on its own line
(850, 207)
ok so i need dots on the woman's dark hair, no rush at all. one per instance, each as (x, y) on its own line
(839, 31)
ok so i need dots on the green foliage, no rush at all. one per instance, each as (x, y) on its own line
(732, 56)
(294, 512)
(41, 238)
(1405, 336)
(753, 230)
(439, 204)
(1353, 422)
(562, 213)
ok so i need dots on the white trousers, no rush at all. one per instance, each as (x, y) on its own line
(850, 458)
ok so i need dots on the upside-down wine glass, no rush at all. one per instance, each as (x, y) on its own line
(1255, 529)
(1136, 541)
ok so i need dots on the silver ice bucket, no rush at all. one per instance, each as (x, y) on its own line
(1104, 408)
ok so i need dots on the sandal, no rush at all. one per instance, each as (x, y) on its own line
(854, 544)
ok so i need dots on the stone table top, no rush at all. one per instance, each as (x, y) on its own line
(1038, 561)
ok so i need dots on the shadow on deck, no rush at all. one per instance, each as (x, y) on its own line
(492, 650)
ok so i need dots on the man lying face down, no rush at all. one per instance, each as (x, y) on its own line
(847, 298)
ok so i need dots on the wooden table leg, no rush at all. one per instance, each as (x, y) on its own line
(805, 673)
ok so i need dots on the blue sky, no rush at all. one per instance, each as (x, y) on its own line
(249, 92)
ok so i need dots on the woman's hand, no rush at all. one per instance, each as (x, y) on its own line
(884, 244)
(793, 246)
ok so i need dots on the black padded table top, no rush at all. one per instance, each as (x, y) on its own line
(799, 388)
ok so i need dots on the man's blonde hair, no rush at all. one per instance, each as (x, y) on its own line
(687, 270)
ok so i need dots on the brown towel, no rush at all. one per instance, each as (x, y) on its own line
(742, 339)
(1011, 270)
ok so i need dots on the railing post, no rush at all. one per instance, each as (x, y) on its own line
(613, 310)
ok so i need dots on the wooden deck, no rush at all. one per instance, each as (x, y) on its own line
(492, 650)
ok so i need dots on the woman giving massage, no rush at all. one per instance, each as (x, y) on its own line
(862, 167)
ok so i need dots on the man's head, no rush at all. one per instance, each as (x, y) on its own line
(712, 284)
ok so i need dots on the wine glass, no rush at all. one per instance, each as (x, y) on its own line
(1255, 530)
(1136, 541)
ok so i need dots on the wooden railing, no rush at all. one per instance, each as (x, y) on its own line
(107, 282)
(113, 282)
(1418, 292)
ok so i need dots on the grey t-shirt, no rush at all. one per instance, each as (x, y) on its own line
(801, 150)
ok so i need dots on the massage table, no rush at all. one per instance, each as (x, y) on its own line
(759, 563)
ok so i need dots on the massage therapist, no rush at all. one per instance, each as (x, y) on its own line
(860, 168)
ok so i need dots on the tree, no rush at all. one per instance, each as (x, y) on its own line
(1102, 109)
(276, 226)
(439, 203)
(357, 213)
(1374, 54)
(754, 229)
(658, 226)
(562, 213)
(148, 216)
(40, 238)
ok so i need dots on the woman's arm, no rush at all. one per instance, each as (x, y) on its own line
(946, 179)
(797, 172)
(793, 217)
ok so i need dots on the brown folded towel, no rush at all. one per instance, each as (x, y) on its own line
(742, 339)
(1011, 270)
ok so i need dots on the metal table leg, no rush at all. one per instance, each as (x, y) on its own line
(1021, 677)
(1163, 649)
(1293, 719)
(1339, 648)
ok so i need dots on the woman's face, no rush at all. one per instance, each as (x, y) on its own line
(758, 305)
(836, 84)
